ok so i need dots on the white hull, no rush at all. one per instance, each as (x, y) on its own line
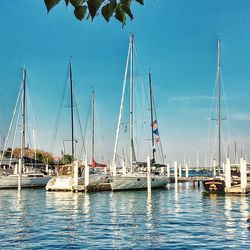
(136, 181)
(28, 181)
(66, 183)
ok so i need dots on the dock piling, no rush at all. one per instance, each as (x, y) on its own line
(243, 173)
(175, 172)
(228, 173)
(149, 175)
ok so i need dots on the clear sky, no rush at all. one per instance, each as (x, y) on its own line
(177, 39)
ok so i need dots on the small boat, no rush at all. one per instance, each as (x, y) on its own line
(31, 180)
(132, 179)
(64, 181)
(216, 184)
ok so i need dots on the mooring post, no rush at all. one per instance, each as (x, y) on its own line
(20, 167)
(193, 183)
(187, 172)
(149, 174)
(175, 172)
(180, 170)
(228, 173)
(243, 173)
(86, 175)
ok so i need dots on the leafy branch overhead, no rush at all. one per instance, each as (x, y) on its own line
(119, 9)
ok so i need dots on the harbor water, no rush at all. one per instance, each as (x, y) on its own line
(172, 218)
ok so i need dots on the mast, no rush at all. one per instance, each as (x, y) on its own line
(23, 114)
(72, 112)
(132, 152)
(152, 119)
(122, 104)
(93, 126)
(21, 160)
(219, 106)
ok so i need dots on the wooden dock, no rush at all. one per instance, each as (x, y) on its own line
(237, 190)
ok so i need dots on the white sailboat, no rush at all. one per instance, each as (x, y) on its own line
(23, 180)
(65, 180)
(132, 179)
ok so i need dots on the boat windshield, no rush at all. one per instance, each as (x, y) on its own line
(65, 170)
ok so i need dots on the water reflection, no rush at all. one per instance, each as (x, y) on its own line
(149, 211)
(179, 218)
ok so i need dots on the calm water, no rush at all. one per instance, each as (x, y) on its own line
(169, 219)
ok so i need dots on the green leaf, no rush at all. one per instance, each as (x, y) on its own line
(140, 1)
(128, 11)
(67, 2)
(77, 3)
(109, 9)
(50, 4)
(94, 5)
(120, 14)
(126, 7)
(80, 12)
(126, 2)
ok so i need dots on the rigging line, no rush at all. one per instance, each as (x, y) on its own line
(33, 117)
(210, 116)
(27, 114)
(12, 119)
(140, 131)
(161, 148)
(226, 106)
(141, 104)
(79, 121)
(83, 148)
(59, 112)
(102, 134)
(15, 134)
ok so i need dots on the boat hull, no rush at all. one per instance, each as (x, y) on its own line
(123, 182)
(27, 181)
(214, 185)
(66, 183)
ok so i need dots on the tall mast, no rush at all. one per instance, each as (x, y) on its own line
(152, 119)
(219, 104)
(122, 104)
(21, 160)
(93, 126)
(23, 114)
(132, 153)
(72, 112)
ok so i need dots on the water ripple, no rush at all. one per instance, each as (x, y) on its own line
(172, 218)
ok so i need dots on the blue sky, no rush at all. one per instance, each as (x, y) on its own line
(177, 39)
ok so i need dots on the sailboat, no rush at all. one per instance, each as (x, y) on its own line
(23, 180)
(98, 173)
(64, 181)
(132, 179)
(216, 184)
